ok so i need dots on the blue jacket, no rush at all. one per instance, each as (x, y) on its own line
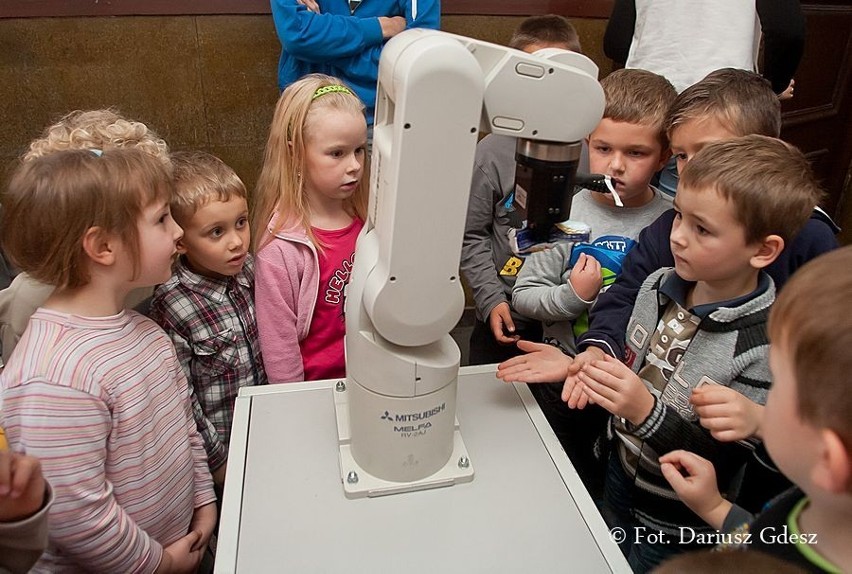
(340, 43)
(608, 318)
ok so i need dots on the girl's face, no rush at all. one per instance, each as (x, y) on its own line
(158, 235)
(335, 148)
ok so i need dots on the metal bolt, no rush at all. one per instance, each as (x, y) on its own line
(464, 462)
(352, 477)
(340, 386)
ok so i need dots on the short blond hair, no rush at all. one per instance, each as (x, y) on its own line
(53, 200)
(811, 320)
(769, 183)
(200, 178)
(97, 129)
(638, 97)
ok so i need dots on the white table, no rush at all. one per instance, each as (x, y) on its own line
(526, 510)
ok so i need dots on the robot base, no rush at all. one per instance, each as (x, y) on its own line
(358, 483)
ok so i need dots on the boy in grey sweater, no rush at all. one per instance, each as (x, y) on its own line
(699, 328)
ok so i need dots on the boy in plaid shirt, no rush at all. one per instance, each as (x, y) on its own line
(207, 307)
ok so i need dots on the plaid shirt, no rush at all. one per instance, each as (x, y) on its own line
(213, 326)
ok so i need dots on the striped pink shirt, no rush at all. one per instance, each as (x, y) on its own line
(104, 404)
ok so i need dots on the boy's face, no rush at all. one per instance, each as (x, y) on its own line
(216, 238)
(631, 154)
(690, 137)
(158, 234)
(788, 438)
(707, 241)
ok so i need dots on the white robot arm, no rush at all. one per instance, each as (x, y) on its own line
(436, 92)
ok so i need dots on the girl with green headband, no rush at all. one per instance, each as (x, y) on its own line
(309, 206)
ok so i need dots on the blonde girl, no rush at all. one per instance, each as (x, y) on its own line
(310, 205)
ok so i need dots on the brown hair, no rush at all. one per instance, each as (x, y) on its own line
(547, 29)
(812, 321)
(769, 183)
(280, 185)
(638, 97)
(53, 200)
(200, 178)
(742, 101)
(97, 129)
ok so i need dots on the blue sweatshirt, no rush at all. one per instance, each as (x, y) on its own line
(342, 43)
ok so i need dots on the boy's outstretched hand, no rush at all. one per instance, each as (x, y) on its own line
(22, 486)
(611, 384)
(693, 478)
(541, 363)
(727, 414)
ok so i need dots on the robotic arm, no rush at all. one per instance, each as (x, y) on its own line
(436, 92)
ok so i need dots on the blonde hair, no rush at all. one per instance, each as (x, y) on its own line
(97, 129)
(769, 183)
(811, 320)
(53, 200)
(742, 101)
(280, 186)
(200, 178)
(638, 97)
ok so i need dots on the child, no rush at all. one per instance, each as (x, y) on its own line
(93, 129)
(699, 324)
(487, 261)
(207, 307)
(95, 391)
(310, 206)
(806, 426)
(630, 145)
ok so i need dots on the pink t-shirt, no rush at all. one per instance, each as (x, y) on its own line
(322, 349)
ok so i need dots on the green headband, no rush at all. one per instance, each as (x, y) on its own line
(329, 89)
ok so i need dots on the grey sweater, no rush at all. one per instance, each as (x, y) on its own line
(729, 348)
(542, 290)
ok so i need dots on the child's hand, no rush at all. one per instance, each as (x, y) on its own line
(697, 489)
(203, 523)
(500, 321)
(574, 391)
(542, 363)
(586, 277)
(611, 384)
(181, 557)
(727, 414)
(21, 486)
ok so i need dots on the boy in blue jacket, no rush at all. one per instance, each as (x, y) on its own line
(344, 38)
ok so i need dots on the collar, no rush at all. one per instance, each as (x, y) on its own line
(214, 288)
(677, 290)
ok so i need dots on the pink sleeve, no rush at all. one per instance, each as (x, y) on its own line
(68, 431)
(276, 294)
(202, 480)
